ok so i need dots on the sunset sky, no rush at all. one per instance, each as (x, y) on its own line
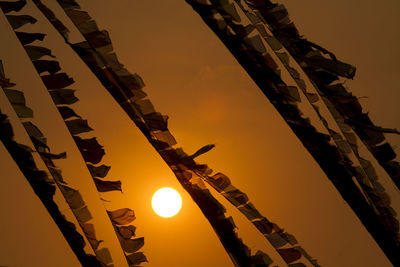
(192, 77)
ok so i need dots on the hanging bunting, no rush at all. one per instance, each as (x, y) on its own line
(127, 90)
(323, 68)
(318, 144)
(56, 82)
(41, 183)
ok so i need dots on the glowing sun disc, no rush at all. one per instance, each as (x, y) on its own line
(166, 202)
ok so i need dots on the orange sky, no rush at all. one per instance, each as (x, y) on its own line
(191, 76)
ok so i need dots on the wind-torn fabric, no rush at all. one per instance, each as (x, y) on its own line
(104, 256)
(289, 255)
(126, 231)
(42, 184)
(56, 81)
(17, 21)
(122, 216)
(37, 52)
(78, 126)
(63, 96)
(276, 236)
(27, 38)
(332, 159)
(202, 150)
(98, 171)
(261, 259)
(73, 197)
(136, 258)
(90, 233)
(127, 90)
(57, 175)
(35, 134)
(83, 215)
(90, 149)
(50, 15)
(132, 245)
(61, 155)
(67, 112)
(7, 6)
(323, 68)
(17, 100)
(346, 141)
(156, 121)
(50, 66)
(107, 186)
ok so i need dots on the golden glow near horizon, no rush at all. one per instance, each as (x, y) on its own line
(166, 202)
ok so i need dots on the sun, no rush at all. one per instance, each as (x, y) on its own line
(166, 202)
